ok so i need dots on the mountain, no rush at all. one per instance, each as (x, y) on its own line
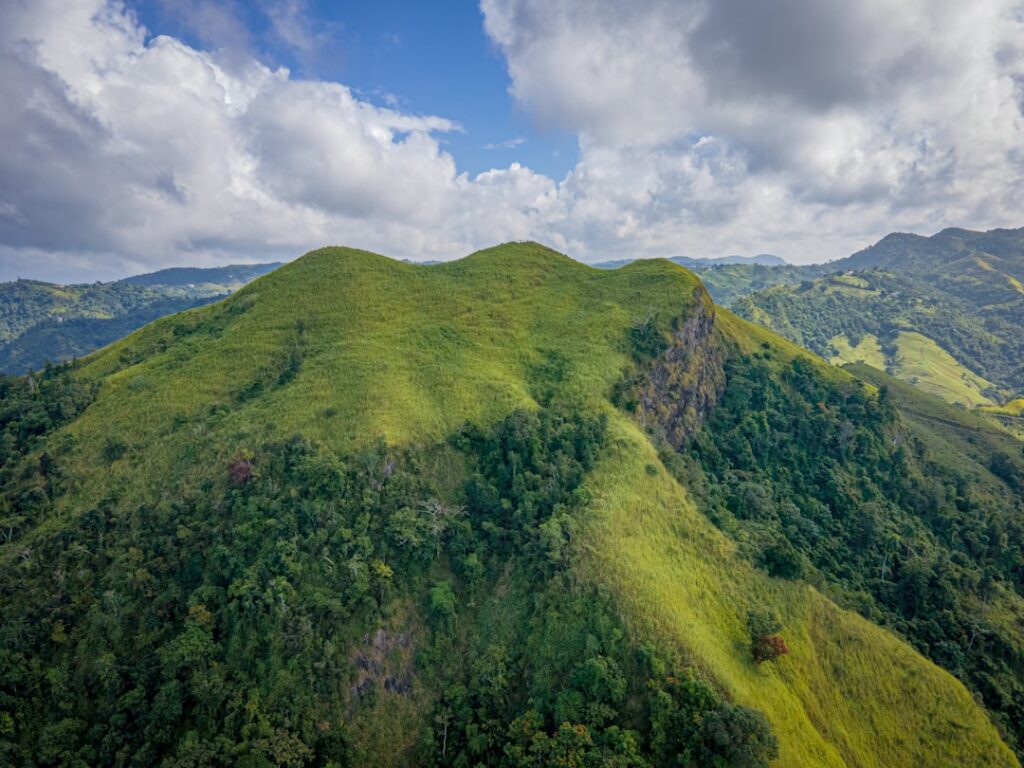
(762, 259)
(943, 312)
(728, 278)
(507, 510)
(233, 276)
(45, 322)
(942, 252)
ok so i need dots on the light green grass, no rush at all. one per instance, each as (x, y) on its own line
(921, 361)
(1009, 416)
(393, 350)
(1013, 408)
(849, 693)
(410, 353)
(868, 350)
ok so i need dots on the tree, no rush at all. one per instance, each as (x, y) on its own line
(737, 736)
(765, 642)
(769, 648)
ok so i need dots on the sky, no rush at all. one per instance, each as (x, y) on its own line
(153, 133)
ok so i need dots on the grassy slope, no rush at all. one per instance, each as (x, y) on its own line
(848, 694)
(411, 352)
(868, 350)
(920, 361)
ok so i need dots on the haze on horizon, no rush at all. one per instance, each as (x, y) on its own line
(153, 133)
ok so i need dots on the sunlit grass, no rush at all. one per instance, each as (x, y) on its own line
(848, 694)
(409, 353)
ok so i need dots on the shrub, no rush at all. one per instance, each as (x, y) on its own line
(765, 642)
(240, 468)
(769, 648)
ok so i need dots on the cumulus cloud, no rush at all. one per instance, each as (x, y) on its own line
(149, 152)
(803, 127)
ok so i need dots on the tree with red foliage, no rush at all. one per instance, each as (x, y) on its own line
(769, 648)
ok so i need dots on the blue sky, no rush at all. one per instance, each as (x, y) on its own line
(425, 58)
(140, 134)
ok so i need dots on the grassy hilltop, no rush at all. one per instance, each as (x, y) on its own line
(369, 512)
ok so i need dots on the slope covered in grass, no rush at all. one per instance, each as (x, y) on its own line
(278, 542)
(840, 697)
(917, 359)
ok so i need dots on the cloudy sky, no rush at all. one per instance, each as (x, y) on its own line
(162, 132)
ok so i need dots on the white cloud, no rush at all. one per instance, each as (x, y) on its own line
(507, 144)
(151, 153)
(831, 122)
(809, 130)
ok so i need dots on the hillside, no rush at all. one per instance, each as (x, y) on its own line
(367, 512)
(942, 312)
(45, 322)
(728, 278)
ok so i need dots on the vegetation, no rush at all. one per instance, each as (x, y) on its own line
(943, 312)
(43, 322)
(398, 519)
(830, 484)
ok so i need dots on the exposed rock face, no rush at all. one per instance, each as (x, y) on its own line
(683, 384)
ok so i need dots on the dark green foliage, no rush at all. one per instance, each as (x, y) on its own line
(828, 481)
(208, 629)
(763, 622)
(242, 623)
(648, 341)
(32, 406)
(56, 340)
(737, 736)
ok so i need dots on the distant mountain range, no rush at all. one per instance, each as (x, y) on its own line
(944, 312)
(763, 259)
(46, 322)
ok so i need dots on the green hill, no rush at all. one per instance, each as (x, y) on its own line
(497, 511)
(945, 311)
(45, 322)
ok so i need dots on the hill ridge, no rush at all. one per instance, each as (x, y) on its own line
(342, 362)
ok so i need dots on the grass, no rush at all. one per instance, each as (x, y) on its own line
(1009, 416)
(388, 350)
(920, 361)
(868, 350)
(849, 693)
(346, 346)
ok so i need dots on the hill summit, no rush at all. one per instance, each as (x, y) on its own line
(506, 510)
